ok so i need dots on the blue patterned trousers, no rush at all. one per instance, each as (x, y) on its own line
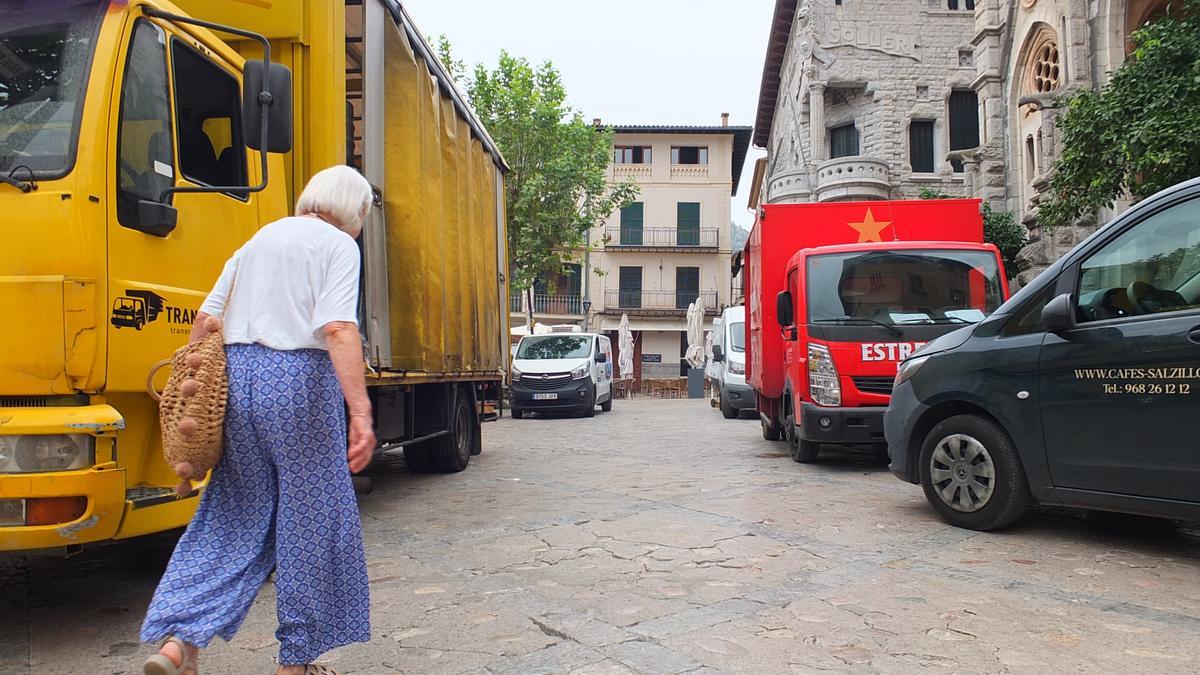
(281, 497)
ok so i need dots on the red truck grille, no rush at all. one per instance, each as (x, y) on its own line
(874, 385)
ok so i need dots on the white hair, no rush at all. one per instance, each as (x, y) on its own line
(338, 194)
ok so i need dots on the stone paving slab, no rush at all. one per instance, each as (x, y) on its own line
(661, 538)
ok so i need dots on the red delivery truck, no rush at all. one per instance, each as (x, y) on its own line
(840, 293)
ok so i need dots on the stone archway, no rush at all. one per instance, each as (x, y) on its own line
(1141, 12)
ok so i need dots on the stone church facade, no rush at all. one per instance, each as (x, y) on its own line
(877, 99)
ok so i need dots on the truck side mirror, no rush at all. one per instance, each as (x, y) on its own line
(718, 353)
(1058, 315)
(278, 121)
(601, 358)
(783, 309)
(156, 218)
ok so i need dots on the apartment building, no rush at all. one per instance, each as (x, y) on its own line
(654, 257)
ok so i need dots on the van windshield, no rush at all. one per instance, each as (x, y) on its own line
(555, 347)
(45, 48)
(904, 287)
(737, 337)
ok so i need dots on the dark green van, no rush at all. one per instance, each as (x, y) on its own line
(1082, 390)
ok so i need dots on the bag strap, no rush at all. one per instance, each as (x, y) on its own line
(166, 362)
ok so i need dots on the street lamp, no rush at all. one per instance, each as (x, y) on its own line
(587, 308)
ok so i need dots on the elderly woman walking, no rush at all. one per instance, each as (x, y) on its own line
(282, 495)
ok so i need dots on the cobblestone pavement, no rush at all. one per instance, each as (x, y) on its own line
(661, 538)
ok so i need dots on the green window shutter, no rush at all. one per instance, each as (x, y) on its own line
(688, 224)
(631, 224)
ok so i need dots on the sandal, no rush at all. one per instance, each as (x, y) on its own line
(314, 669)
(161, 664)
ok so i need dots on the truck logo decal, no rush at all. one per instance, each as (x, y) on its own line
(869, 229)
(889, 351)
(137, 308)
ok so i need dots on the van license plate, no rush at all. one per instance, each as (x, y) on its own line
(545, 397)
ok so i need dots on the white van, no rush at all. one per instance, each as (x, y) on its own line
(562, 372)
(729, 360)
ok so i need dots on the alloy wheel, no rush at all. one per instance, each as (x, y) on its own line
(962, 473)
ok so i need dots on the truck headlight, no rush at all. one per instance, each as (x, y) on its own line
(823, 383)
(736, 368)
(907, 369)
(35, 454)
(516, 374)
(580, 373)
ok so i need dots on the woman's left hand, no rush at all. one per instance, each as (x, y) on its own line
(362, 442)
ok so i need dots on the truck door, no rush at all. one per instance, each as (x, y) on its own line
(1121, 391)
(177, 121)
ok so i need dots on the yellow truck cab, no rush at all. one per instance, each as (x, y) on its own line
(131, 168)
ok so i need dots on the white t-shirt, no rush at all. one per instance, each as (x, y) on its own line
(292, 278)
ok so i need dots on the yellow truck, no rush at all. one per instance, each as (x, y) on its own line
(141, 143)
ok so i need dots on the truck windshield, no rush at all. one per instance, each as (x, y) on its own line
(555, 347)
(737, 337)
(904, 287)
(45, 48)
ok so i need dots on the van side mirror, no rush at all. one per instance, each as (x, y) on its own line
(1058, 315)
(783, 309)
(156, 218)
(602, 358)
(718, 353)
(278, 122)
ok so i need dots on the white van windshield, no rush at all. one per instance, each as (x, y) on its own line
(555, 347)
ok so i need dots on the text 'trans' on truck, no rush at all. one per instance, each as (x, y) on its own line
(840, 293)
(142, 143)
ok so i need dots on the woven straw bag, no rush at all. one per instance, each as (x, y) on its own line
(191, 409)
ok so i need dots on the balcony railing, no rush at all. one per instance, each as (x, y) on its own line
(684, 238)
(687, 171)
(674, 302)
(547, 304)
(632, 170)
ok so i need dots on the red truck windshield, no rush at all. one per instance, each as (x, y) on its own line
(903, 287)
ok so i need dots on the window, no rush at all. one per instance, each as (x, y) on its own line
(964, 122)
(1153, 267)
(903, 287)
(631, 155)
(45, 51)
(687, 227)
(843, 141)
(920, 146)
(689, 155)
(687, 286)
(1043, 73)
(207, 110)
(631, 224)
(630, 293)
(960, 4)
(145, 159)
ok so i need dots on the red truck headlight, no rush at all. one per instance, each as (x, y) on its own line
(823, 384)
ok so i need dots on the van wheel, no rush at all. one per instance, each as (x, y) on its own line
(727, 411)
(590, 410)
(972, 475)
(607, 405)
(516, 413)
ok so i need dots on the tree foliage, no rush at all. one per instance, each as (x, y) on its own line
(558, 187)
(1140, 133)
(999, 227)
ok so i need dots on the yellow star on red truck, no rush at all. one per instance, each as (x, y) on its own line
(870, 229)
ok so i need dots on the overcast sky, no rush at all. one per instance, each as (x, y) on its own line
(625, 61)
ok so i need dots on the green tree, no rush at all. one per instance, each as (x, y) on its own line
(999, 227)
(1140, 133)
(558, 188)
